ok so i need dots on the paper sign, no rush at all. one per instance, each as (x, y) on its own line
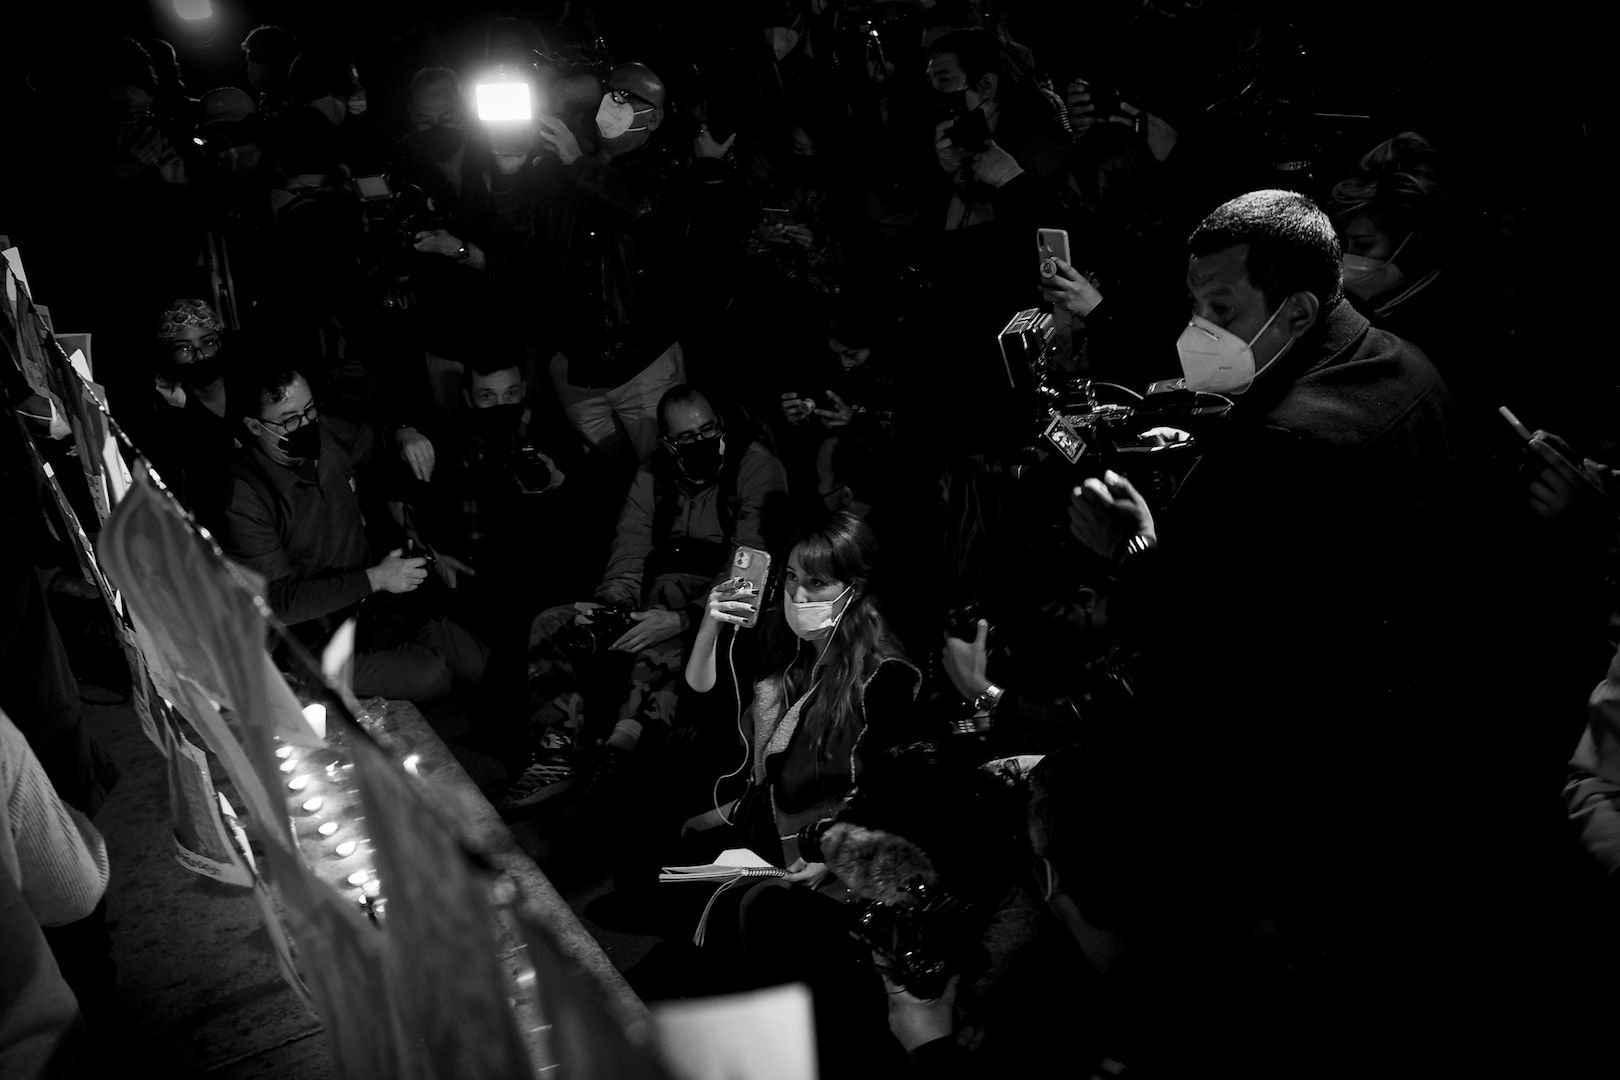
(766, 1035)
(203, 845)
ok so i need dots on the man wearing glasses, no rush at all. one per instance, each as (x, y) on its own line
(703, 492)
(633, 237)
(292, 515)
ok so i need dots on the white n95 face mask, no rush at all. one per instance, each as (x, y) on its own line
(614, 117)
(1216, 360)
(808, 619)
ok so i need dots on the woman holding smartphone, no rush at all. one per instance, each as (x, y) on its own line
(835, 689)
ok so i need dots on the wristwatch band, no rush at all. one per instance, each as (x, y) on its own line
(1138, 544)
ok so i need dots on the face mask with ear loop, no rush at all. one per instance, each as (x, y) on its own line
(1217, 361)
(616, 115)
(1366, 277)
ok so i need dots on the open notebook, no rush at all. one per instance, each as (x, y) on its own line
(730, 868)
(729, 865)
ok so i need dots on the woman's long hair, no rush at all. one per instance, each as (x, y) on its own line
(842, 548)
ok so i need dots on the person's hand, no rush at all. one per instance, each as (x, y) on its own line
(799, 234)
(808, 874)
(1559, 488)
(709, 819)
(797, 409)
(651, 628)
(452, 569)
(586, 609)
(1160, 136)
(915, 1020)
(965, 662)
(773, 232)
(437, 242)
(994, 167)
(1082, 112)
(728, 601)
(950, 156)
(837, 414)
(704, 145)
(557, 135)
(416, 450)
(1104, 514)
(397, 574)
(1069, 290)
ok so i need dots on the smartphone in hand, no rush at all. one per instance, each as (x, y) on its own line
(752, 565)
(1052, 245)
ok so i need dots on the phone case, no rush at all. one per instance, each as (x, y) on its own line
(753, 565)
(1053, 244)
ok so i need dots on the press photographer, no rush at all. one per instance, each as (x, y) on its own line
(1289, 623)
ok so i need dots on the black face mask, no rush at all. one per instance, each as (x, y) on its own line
(497, 422)
(700, 461)
(203, 371)
(950, 104)
(305, 443)
(440, 142)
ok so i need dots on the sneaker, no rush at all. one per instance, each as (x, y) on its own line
(550, 773)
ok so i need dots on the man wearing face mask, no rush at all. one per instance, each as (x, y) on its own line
(1294, 631)
(325, 79)
(700, 495)
(291, 514)
(635, 241)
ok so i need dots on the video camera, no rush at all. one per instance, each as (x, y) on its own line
(1083, 426)
(395, 211)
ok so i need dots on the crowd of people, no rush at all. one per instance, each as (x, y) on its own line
(666, 421)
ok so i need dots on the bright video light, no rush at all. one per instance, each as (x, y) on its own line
(192, 10)
(503, 101)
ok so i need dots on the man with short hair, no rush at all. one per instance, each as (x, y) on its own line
(1295, 616)
(633, 237)
(268, 52)
(686, 511)
(290, 513)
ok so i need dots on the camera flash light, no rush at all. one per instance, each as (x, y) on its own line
(503, 101)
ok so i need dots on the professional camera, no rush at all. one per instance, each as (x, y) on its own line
(1083, 426)
(395, 210)
(586, 640)
(532, 472)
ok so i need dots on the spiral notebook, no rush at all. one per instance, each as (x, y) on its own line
(730, 868)
(729, 865)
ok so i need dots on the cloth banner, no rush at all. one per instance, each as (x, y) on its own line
(450, 988)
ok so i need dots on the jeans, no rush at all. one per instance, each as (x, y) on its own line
(624, 414)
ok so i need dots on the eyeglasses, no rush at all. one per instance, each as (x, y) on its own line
(708, 431)
(293, 423)
(186, 351)
(622, 97)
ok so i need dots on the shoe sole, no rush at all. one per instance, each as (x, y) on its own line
(546, 793)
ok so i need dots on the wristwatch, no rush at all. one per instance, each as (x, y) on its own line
(1138, 544)
(462, 254)
(988, 700)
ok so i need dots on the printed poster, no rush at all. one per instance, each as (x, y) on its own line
(202, 844)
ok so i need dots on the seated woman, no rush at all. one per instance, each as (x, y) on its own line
(834, 690)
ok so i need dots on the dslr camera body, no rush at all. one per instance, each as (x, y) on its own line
(585, 641)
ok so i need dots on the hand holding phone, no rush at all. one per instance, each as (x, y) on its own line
(1051, 246)
(1556, 459)
(750, 571)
